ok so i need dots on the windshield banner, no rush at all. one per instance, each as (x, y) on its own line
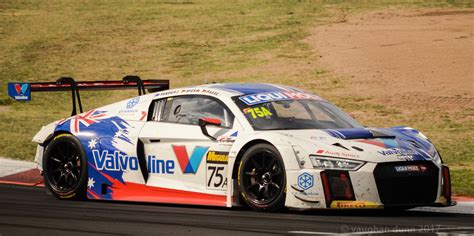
(257, 98)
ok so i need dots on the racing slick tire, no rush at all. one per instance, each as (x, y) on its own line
(261, 178)
(65, 168)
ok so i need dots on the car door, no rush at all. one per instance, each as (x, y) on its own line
(178, 155)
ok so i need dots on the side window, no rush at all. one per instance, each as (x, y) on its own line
(188, 110)
(157, 111)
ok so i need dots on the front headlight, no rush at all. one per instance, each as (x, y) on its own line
(437, 158)
(335, 163)
(435, 155)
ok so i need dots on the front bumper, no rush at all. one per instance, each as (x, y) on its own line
(372, 186)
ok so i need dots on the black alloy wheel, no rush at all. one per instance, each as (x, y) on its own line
(262, 180)
(65, 167)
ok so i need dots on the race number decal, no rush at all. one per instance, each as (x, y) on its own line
(216, 166)
(258, 112)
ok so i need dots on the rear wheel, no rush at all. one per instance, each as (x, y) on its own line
(261, 178)
(65, 167)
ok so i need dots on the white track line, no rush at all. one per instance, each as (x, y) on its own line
(10, 167)
(384, 230)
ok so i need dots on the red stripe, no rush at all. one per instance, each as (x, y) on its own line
(181, 155)
(93, 194)
(76, 124)
(379, 144)
(143, 115)
(99, 115)
(463, 198)
(17, 183)
(139, 192)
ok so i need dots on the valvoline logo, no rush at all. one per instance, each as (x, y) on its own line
(189, 165)
(19, 91)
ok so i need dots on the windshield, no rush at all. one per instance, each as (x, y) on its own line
(296, 114)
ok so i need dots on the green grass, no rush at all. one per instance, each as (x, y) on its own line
(462, 181)
(187, 43)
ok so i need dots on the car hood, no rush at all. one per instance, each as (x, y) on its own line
(367, 144)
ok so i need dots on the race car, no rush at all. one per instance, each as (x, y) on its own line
(265, 146)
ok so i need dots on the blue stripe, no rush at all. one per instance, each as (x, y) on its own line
(248, 88)
(352, 133)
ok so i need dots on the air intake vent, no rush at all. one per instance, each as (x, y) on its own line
(340, 145)
(415, 144)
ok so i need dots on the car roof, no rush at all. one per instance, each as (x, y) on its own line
(250, 88)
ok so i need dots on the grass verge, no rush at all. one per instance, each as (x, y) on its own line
(188, 43)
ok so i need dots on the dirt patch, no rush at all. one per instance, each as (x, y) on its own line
(4, 109)
(405, 59)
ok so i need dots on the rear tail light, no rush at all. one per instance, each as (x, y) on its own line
(446, 185)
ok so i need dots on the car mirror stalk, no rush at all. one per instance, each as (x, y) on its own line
(203, 122)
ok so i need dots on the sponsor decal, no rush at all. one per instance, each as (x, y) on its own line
(336, 154)
(167, 92)
(188, 91)
(133, 102)
(413, 168)
(423, 168)
(216, 176)
(158, 166)
(129, 107)
(354, 204)
(19, 91)
(305, 181)
(276, 96)
(226, 140)
(118, 162)
(114, 161)
(217, 157)
(216, 166)
(207, 91)
(400, 153)
(189, 165)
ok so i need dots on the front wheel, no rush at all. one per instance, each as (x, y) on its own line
(261, 178)
(65, 167)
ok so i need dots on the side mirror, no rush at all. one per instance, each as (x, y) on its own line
(203, 122)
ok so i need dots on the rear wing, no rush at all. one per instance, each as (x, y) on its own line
(22, 91)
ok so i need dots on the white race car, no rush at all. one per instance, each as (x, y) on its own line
(262, 145)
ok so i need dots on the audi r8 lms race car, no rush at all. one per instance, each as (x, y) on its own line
(261, 145)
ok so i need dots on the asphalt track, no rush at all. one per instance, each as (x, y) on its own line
(30, 211)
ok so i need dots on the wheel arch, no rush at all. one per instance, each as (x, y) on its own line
(283, 146)
(45, 142)
(59, 138)
(241, 152)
